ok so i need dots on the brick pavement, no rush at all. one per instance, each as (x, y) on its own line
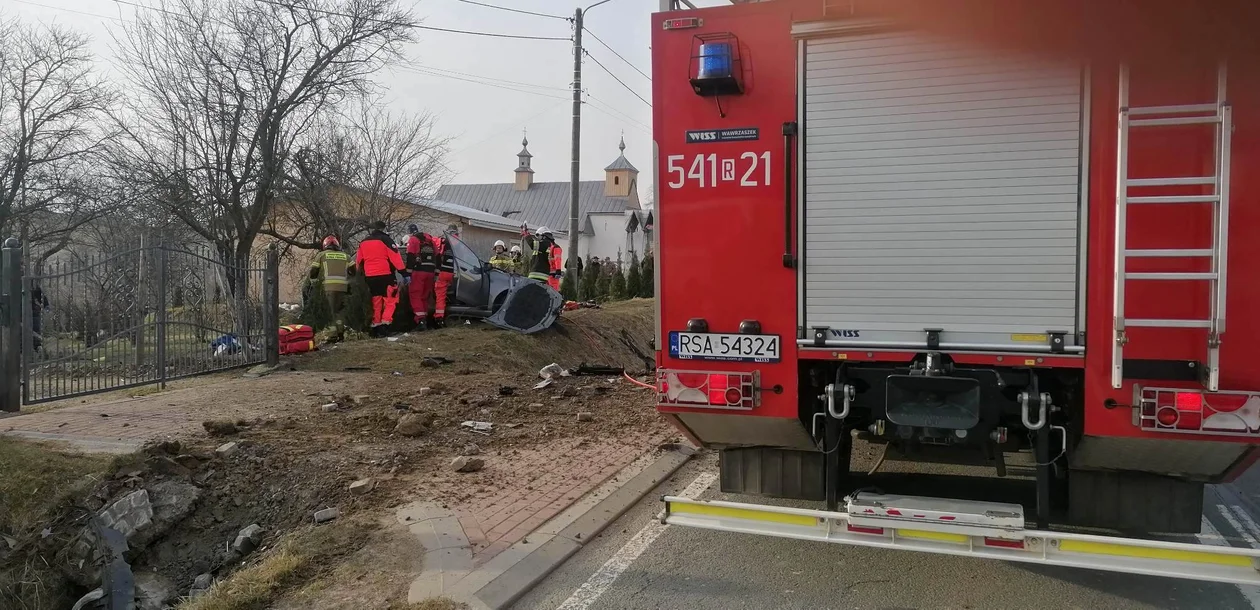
(550, 478)
(130, 422)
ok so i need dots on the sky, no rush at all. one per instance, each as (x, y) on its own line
(484, 91)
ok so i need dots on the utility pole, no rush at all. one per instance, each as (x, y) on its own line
(574, 174)
(576, 164)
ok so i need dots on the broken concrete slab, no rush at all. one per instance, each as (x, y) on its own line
(248, 539)
(129, 514)
(362, 486)
(327, 514)
(227, 449)
(466, 463)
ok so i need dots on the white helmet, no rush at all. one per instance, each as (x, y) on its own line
(498, 243)
(544, 231)
(516, 249)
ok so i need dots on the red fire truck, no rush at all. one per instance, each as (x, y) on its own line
(969, 232)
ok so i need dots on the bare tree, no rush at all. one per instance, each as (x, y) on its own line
(225, 88)
(356, 168)
(55, 118)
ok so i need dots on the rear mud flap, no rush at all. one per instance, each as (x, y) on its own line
(529, 307)
(952, 403)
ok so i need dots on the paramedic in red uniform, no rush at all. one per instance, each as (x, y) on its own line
(446, 274)
(422, 261)
(379, 260)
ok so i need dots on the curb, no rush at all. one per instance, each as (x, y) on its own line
(509, 575)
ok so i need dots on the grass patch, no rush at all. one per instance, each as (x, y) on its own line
(298, 558)
(39, 479)
(39, 485)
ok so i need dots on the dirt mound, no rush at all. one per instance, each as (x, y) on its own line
(618, 335)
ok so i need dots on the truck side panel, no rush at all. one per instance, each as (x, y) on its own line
(724, 201)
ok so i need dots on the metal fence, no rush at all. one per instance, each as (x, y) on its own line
(85, 324)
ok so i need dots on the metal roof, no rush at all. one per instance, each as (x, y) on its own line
(621, 163)
(544, 203)
(476, 218)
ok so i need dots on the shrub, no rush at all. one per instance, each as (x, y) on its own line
(568, 286)
(634, 280)
(617, 288)
(647, 288)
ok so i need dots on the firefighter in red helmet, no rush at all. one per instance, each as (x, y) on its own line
(379, 260)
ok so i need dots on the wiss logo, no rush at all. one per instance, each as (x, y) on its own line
(846, 334)
(702, 136)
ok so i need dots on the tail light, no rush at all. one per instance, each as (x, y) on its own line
(1198, 412)
(707, 389)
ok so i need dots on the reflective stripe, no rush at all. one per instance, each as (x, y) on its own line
(1124, 550)
(941, 536)
(535, 275)
(727, 512)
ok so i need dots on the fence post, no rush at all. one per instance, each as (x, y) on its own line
(159, 316)
(271, 305)
(11, 318)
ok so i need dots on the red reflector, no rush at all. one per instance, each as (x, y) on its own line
(857, 529)
(1167, 416)
(1227, 403)
(733, 397)
(692, 380)
(1003, 543)
(1189, 401)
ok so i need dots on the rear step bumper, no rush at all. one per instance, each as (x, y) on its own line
(971, 538)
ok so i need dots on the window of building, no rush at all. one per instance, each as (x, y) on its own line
(616, 179)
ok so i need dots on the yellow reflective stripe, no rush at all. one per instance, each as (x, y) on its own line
(1122, 550)
(938, 536)
(739, 513)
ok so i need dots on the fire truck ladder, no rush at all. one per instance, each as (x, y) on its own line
(1219, 114)
(987, 530)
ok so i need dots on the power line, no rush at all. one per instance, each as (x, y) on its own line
(614, 52)
(515, 10)
(610, 107)
(619, 81)
(513, 126)
(632, 125)
(490, 78)
(70, 10)
(400, 23)
(418, 70)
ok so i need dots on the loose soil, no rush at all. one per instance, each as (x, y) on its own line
(326, 419)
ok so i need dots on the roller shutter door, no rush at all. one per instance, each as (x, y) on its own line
(942, 190)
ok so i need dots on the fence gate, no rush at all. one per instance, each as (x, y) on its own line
(89, 324)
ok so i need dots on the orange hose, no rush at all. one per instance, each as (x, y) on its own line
(637, 382)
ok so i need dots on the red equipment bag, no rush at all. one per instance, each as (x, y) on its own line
(296, 338)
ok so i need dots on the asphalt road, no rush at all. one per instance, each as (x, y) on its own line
(637, 563)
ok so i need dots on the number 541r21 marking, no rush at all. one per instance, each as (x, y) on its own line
(703, 170)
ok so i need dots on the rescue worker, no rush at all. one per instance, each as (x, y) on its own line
(379, 260)
(499, 258)
(547, 261)
(333, 268)
(422, 261)
(517, 257)
(446, 274)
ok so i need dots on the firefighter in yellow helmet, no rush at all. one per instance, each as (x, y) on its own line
(499, 258)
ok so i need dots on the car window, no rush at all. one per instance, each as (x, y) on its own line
(464, 256)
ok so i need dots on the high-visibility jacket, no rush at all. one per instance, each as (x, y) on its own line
(502, 261)
(545, 250)
(334, 266)
(422, 253)
(377, 255)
